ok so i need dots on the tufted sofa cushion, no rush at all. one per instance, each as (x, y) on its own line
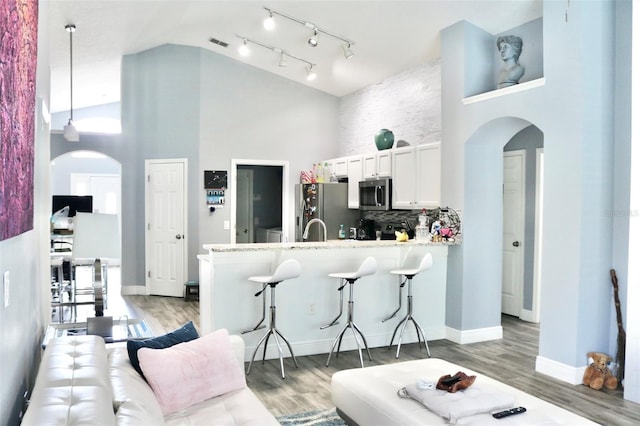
(133, 399)
(81, 382)
(73, 386)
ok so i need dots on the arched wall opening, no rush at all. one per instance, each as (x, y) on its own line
(480, 285)
(86, 172)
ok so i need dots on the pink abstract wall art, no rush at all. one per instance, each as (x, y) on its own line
(18, 58)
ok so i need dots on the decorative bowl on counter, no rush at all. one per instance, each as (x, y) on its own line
(384, 139)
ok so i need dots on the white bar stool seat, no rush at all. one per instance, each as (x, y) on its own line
(286, 270)
(367, 267)
(425, 263)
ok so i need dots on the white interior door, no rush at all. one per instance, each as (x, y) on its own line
(166, 224)
(244, 211)
(513, 233)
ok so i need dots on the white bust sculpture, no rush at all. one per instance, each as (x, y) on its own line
(510, 48)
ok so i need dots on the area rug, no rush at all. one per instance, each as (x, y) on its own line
(327, 417)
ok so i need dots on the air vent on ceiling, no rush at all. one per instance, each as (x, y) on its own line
(218, 42)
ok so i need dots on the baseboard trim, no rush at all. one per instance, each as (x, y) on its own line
(473, 336)
(133, 290)
(560, 371)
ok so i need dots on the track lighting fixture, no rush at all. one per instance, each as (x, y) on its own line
(348, 53)
(269, 23)
(70, 132)
(311, 73)
(243, 50)
(313, 40)
(283, 60)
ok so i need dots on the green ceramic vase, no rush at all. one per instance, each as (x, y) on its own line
(384, 139)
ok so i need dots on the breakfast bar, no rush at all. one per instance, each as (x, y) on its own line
(306, 303)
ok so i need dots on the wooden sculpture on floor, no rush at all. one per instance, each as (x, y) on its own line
(622, 335)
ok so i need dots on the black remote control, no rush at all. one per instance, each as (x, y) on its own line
(509, 412)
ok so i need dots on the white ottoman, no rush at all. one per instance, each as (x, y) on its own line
(368, 397)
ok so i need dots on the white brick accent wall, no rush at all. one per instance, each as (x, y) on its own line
(408, 104)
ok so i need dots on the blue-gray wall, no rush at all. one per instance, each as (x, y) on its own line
(577, 123)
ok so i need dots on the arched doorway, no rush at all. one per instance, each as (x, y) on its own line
(483, 218)
(88, 173)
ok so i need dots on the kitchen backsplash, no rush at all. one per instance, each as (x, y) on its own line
(408, 219)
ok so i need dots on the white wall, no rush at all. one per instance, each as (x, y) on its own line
(408, 104)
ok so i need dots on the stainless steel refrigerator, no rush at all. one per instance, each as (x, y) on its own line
(327, 202)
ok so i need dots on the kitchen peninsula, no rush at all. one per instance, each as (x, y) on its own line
(306, 303)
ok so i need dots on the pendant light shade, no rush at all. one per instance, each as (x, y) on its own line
(70, 132)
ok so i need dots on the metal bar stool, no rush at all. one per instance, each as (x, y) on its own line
(367, 267)
(408, 274)
(286, 270)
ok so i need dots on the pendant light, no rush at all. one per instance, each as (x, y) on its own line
(70, 132)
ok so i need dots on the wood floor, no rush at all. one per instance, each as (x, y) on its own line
(510, 360)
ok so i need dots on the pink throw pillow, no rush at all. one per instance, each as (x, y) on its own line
(191, 372)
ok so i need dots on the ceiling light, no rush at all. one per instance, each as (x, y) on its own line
(243, 50)
(348, 53)
(311, 73)
(283, 61)
(269, 23)
(313, 40)
(70, 132)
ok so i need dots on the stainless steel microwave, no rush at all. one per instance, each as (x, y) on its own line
(375, 194)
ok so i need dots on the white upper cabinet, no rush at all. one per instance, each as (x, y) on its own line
(403, 181)
(416, 177)
(354, 166)
(376, 165)
(428, 172)
(338, 167)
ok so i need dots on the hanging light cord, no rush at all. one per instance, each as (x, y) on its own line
(71, 28)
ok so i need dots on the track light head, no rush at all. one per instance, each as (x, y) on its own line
(313, 40)
(269, 23)
(243, 50)
(348, 53)
(311, 73)
(283, 60)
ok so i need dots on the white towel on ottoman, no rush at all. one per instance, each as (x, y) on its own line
(464, 403)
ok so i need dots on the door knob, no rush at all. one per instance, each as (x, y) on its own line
(516, 244)
(246, 231)
(178, 237)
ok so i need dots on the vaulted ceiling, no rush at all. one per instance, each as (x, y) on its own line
(389, 37)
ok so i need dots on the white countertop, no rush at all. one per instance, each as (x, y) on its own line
(318, 245)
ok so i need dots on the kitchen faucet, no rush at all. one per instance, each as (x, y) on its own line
(305, 234)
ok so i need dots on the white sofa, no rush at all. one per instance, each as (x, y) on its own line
(82, 382)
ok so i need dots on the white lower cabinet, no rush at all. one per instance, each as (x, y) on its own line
(416, 177)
